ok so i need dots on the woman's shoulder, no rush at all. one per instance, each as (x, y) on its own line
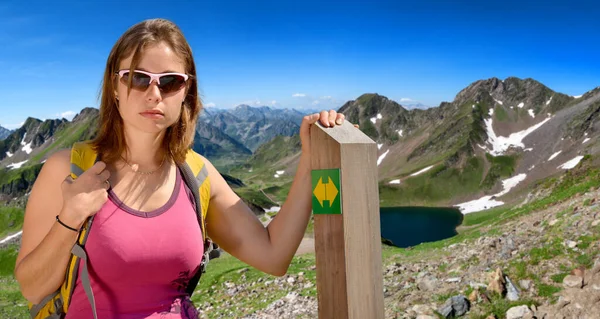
(59, 159)
(54, 170)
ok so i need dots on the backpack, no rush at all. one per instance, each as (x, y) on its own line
(194, 174)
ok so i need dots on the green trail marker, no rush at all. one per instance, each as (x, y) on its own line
(326, 191)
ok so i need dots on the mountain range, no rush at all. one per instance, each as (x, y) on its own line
(495, 135)
(484, 148)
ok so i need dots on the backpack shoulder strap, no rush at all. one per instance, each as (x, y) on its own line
(83, 156)
(196, 176)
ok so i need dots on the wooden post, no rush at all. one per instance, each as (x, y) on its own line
(347, 245)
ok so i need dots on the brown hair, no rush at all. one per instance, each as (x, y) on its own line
(110, 140)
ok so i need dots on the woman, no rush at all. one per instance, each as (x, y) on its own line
(138, 255)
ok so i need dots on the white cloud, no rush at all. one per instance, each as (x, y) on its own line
(406, 99)
(255, 102)
(12, 126)
(69, 115)
(315, 102)
(298, 95)
(273, 102)
(210, 104)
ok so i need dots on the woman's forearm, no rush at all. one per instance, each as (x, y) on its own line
(43, 270)
(287, 229)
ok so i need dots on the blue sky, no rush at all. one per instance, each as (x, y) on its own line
(301, 54)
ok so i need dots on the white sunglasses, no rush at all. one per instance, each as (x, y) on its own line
(166, 82)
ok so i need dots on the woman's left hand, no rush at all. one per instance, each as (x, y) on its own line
(328, 119)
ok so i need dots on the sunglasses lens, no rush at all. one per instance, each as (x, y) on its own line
(171, 83)
(139, 81)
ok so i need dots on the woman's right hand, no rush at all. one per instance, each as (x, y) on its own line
(85, 195)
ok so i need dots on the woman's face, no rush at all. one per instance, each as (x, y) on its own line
(135, 107)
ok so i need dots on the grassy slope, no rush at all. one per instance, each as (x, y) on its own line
(27, 173)
(11, 220)
(501, 167)
(438, 185)
(12, 303)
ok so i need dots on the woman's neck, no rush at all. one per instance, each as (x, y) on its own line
(144, 150)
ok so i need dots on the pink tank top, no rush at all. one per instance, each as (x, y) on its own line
(140, 262)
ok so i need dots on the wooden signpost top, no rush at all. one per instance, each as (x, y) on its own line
(348, 240)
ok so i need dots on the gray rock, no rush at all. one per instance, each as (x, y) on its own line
(454, 279)
(518, 312)
(476, 285)
(570, 243)
(508, 245)
(232, 291)
(427, 283)
(455, 306)
(562, 302)
(595, 284)
(572, 281)
(422, 310)
(291, 297)
(512, 293)
(229, 284)
(525, 284)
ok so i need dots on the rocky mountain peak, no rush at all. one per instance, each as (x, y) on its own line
(248, 113)
(510, 91)
(370, 105)
(86, 113)
(29, 123)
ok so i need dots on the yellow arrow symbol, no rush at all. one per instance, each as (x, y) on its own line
(319, 191)
(325, 191)
(332, 191)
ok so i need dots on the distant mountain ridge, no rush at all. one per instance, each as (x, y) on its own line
(253, 126)
(4, 132)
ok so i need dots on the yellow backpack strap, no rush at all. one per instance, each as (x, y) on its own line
(83, 157)
(196, 176)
